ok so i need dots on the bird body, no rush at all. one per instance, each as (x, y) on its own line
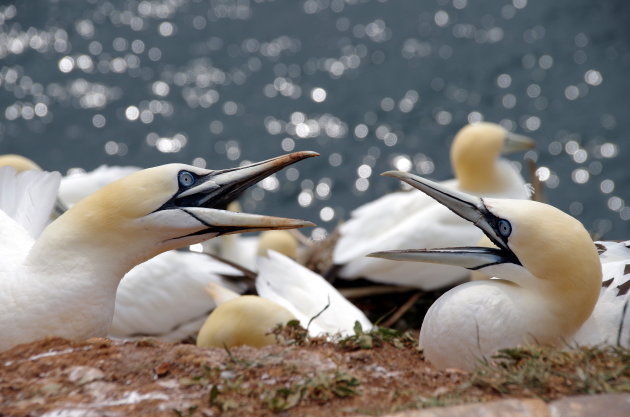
(407, 219)
(64, 281)
(164, 297)
(546, 285)
(318, 306)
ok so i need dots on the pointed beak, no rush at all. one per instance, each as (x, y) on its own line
(517, 143)
(207, 201)
(224, 222)
(466, 206)
(220, 188)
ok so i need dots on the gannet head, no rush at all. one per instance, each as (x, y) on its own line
(172, 206)
(537, 246)
(475, 151)
(282, 241)
(19, 162)
(245, 320)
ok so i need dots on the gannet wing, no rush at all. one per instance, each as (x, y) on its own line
(306, 294)
(610, 321)
(75, 187)
(434, 226)
(28, 197)
(166, 297)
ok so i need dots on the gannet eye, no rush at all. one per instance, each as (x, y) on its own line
(505, 228)
(186, 179)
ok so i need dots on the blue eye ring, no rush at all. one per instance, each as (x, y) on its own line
(504, 227)
(186, 179)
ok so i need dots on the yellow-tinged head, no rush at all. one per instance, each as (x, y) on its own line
(246, 320)
(475, 151)
(555, 248)
(163, 208)
(19, 162)
(281, 241)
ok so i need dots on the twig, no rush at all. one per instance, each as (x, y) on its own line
(360, 292)
(402, 310)
(538, 194)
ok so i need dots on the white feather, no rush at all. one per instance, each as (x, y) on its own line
(306, 294)
(28, 197)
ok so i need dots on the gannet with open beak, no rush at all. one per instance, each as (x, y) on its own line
(547, 282)
(150, 297)
(404, 220)
(64, 282)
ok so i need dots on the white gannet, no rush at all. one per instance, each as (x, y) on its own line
(306, 295)
(546, 289)
(241, 320)
(403, 220)
(149, 300)
(64, 282)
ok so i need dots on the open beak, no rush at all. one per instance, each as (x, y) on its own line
(466, 206)
(517, 143)
(221, 187)
(207, 201)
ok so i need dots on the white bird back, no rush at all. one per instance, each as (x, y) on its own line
(306, 294)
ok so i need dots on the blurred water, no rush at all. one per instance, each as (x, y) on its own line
(371, 85)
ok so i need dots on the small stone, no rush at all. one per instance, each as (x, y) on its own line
(504, 408)
(82, 375)
(162, 369)
(609, 405)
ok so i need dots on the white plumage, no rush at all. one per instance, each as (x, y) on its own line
(548, 285)
(610, 321)
(64, 282)
(163, 297)
(306, 295)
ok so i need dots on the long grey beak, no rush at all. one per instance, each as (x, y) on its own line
(466, 206)
(517, 143)
(226, 222)
(466, 257)
(219, 188)
(208, 200)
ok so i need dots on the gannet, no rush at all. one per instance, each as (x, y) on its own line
(403, 220)
(63, 283)
(150, 297)
(546, 285)
(241, 320)
(286, 291)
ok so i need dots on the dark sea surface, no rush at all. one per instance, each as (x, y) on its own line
(371, 85)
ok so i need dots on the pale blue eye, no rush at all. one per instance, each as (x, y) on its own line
(186, 179)
(505, 228)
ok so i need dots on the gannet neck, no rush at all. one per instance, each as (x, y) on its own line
(559, 252)
(19, 162)
(474, 154)
(104, 232)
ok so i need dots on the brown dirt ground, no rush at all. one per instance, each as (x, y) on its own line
(147, 377)
(363, 375)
